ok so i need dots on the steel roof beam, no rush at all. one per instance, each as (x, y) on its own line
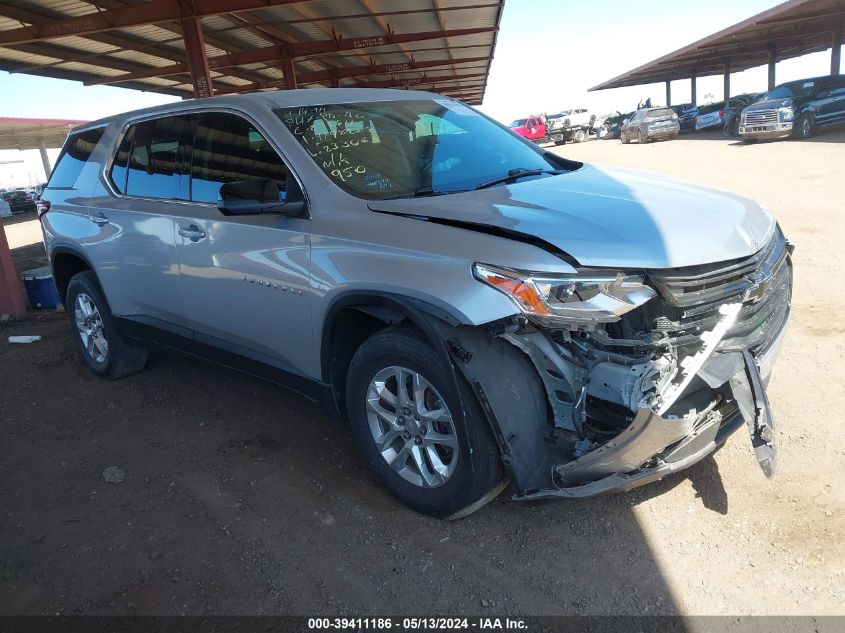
(424, 79)
(293, 50)
(152, 12)
(351, 71)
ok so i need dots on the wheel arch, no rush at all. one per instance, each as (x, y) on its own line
(65, 263)
(356, 315)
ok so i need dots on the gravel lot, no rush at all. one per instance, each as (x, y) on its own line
(238, 498)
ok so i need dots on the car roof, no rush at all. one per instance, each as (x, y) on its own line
(276, 99)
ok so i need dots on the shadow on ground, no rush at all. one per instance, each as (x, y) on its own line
(241, 498)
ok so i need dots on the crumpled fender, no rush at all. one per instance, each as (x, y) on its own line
(513, 399)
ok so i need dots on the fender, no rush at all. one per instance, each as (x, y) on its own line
(75, 252)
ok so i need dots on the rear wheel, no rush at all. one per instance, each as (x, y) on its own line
(409, 428)
(580, 136)
(103, 348)
(806, 126)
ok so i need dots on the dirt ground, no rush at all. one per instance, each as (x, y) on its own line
(239, 498)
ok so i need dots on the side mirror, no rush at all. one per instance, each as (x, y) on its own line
(252, 197)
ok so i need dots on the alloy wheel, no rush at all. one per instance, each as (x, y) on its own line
(89, 324)
(412, 427)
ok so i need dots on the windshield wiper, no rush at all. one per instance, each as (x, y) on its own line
(514, 174)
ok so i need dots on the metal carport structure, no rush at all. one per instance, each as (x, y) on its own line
(22, 134)
(204, 47)
(790, 29)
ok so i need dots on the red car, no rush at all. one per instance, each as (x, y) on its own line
(533, 128)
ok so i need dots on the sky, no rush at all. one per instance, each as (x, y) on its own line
(549, 52)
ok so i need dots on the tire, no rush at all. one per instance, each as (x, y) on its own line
(623, 137)
(805, 126)
(103, 348)
(566, 123)
(470, 458)
(580, 136)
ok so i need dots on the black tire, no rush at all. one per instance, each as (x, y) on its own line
(478, 476)
(805, 127)
(623, 137)
(580, 136)
(122, 358)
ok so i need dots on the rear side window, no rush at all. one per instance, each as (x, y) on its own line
(660, 112)
(226, 148)
(75, 153)
(149, 161)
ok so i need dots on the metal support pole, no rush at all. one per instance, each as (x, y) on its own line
(334, 82)
(771, 66)
(692, 89)
(289, 72)
(45, 160)
(197, 61)
(835, 51)
(11, 297)
(668, 92)
(727, 79)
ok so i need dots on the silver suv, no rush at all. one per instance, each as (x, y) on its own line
(479, 310)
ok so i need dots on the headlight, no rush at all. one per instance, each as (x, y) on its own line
(585, 298)
(786, 114)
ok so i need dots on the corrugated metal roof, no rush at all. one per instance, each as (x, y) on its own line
(150, 54)
(790, 29)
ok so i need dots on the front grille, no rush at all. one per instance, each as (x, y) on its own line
(696, 285)
(689, 299)
(758, 117)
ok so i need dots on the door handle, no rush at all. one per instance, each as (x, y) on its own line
(99, 219)
(192, 232)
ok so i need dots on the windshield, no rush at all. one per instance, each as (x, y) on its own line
(393, 149)
(790, 90)
(518, 123)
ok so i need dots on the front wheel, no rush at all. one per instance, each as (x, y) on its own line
(408, 426)
(103, 348)
(805, 127)
(623, 137)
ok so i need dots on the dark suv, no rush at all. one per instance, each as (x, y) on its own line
(19, 201)
(795, 108)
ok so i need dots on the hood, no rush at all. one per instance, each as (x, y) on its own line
(609, 216)
(771, 104)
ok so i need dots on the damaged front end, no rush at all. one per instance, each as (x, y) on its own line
(673, 362)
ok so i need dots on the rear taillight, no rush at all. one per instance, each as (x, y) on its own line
(41, 207)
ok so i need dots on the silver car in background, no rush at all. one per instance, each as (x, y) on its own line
(650, 124)
(479, 310)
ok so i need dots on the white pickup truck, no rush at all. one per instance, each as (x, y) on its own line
(570, 125)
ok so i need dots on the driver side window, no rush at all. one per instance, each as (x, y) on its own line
(227, 147)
